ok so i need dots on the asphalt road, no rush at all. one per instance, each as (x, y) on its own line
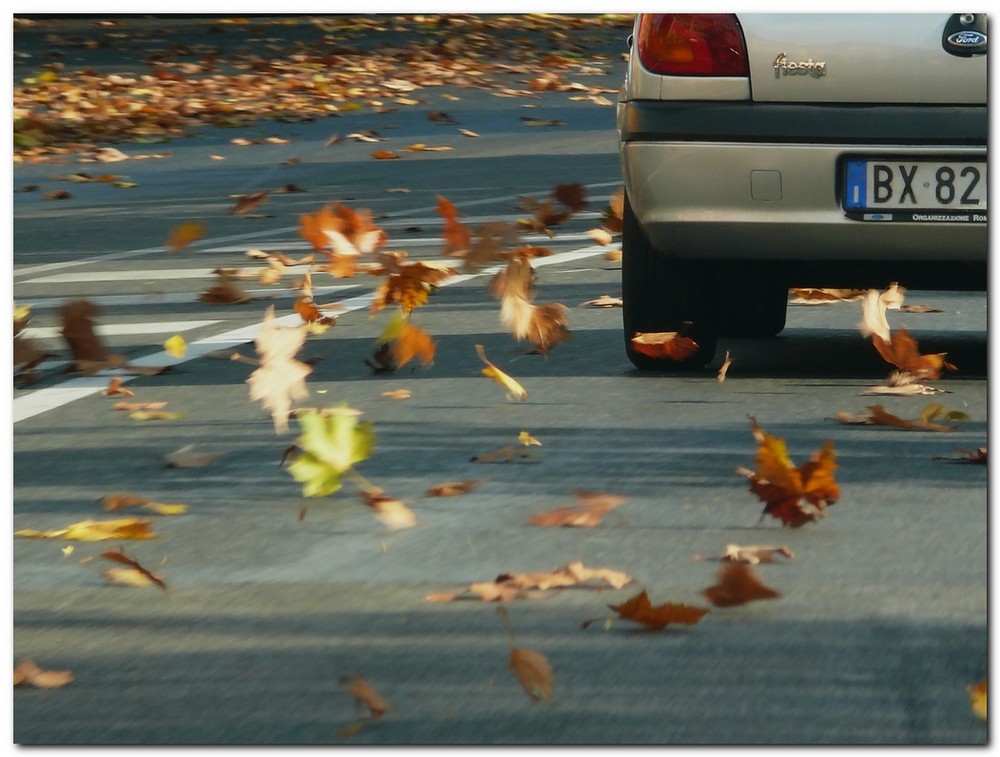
(882, 622)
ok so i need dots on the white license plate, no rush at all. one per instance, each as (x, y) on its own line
(925, 190)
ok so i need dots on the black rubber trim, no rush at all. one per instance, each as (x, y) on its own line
(685, 121)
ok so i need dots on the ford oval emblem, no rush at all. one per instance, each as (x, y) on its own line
(967, 38)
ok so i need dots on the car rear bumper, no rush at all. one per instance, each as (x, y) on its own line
(780, 201)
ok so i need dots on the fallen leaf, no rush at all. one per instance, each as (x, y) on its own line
(972, 457)
(814, 296)
(398, 394)
(78, 330)
(751, 555)
(332, 441)
(391, 511)
(132, 407)
(385, 155)
(901, 350)
(920, 309)
(115, 387)
(588, 510)
(604, 301)
(457, 236)
(534, 671)
(246, 204)
(155, 415)
(738, 584)
(515, 391)
(507, 454)
(454, 488)
(509, 586)
(903, 384)
(366, 695)
(280, 379)
(122, 500)
(724, 368)
(96, 530)
(185, 234)
(27, 673)
(225, 292)
(127, 575)
(877, 415)
(977, 698)
(795, 495)
(664, 344)
(639, 609)
(187, 457)
(528, 440)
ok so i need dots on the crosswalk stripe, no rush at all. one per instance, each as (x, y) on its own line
(48, 398)
(173, 298)
(121, 329)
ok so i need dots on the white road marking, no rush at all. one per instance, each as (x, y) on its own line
(173, 298)
(49, 398)
(122, 329)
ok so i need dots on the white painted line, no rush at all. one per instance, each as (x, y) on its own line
(49, 398)
(172, 298)
(122, 329)
(143, 275)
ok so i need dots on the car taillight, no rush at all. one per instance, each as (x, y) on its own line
(692, 44)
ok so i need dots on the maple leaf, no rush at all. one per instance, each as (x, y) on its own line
(406, 284)
(640, 610)
(514, 390)
(185, 234)
(901, 350)
(332, 441)
(366, 696)
(588, 511)
(132, 566)
(457, 236)
(508, 454)
(281, 379)
(795, 495)
(664, 344)
(116, 387)
(27, 673)
(542, 325)
(879, 416)
(738, 584)
(338, 230)
(95, 530)
(406, 341)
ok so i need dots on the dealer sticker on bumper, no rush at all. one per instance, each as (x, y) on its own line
(929, 191)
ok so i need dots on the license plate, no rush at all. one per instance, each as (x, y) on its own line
(916, 190)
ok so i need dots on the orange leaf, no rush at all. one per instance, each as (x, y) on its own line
(342, 231)
(589, 511)
(413, 342)
(794, 495)
(385, 155)
(184, 234)
(120, 557)
(28, 673)
(248, 203)
(534, 671)
(665, 344)
(640, 610)
(457, 236)
(453, 488)
(115, 387)
(902, 352)
(738, 584)
(365, 694)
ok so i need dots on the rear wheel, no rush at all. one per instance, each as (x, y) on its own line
(752, 300)
(664, 293)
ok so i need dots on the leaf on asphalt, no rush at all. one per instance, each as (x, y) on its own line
(977, 698)
(78, 330)
(176, 346)
(534, 671)
(225, 292)
(247, 204)
(604, 301)
(365, 694)
(795, 495)
(115, 387)
(421, 147)
(664, 344)
(331, 442)
(814, 296)
(724, 368)
(132, 407)
(876, 415)
(515, 391)
(457, 236)
(588, 510)
(969, 457)
(902, 351)
(95, 530)
(508, 454)
(920, 309)
(903, 384)
(391, 511)
(528, 440)
(188, 457)
(119, 501)
(738, 584)
(184, 234)
(27, 673)
(751, 555)
(133, 574)
(639, 609)
(454, 488)
(398, 394)
(508, 586)
(280, 379)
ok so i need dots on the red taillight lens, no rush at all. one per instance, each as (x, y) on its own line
(692, 44)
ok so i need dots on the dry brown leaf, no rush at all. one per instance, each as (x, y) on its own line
(389, 510)
(588, 510)
(247, 204)
(457, 236)
(398, 394)
(604, 301)
(751, 555)
(542, 325)
(281, 379)
(115, 387)
(738, 584)
(132, 407)
(454, 488)
(342, 233)
(225, 292)
(187, 457)
(534, 671)
(133, 574)
(508, 454)
(385, 155)
(877, 415)
(664, 344)
(366, 695)
(508, 586)
(122, 500)
(78, 330)
(815, 296)
(185, 234)
(27, 673)
(407, 284)
(971, 457)
(724, 368)
(901, 350)
(640, 610)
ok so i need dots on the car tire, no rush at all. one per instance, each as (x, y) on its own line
(751, 301)
(664, 293)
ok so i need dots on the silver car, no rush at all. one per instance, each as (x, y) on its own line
(766, 151)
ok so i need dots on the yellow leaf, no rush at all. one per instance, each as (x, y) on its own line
(176, 346)
(514, 390)
(977, 698)
(527, 439)
(164, 509)
(95, 530)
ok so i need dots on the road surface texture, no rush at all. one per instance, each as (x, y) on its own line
(273, 599)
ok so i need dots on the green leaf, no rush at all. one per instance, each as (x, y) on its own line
(332, 441)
